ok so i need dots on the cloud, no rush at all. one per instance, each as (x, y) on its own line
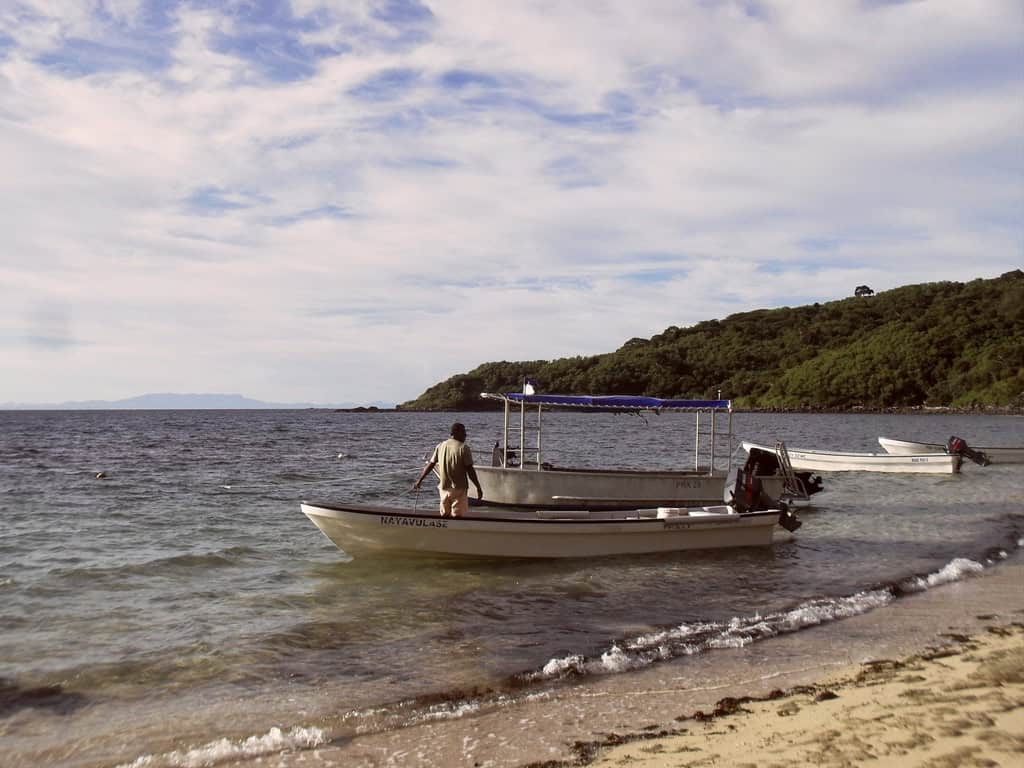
(323, 201)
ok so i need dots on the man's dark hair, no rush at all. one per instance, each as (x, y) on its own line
(457, 427)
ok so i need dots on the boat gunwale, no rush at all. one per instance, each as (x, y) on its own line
(369, 510)
(609, 471)
(854, 454)
(941, 448)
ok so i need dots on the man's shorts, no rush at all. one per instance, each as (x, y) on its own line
(454, 502)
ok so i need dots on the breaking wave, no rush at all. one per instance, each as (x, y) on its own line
(690, 639)
(273, 741)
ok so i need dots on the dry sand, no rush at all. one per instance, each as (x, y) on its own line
(957, 707)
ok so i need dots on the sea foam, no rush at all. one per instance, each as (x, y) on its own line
(739, 631)
(273, 741)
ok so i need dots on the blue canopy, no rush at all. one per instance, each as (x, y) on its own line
(620, 402)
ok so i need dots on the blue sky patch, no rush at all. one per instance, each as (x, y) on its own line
(570, 172)
(654, 276)
(401, 12)
(619, 103)
(142, 44)
(268, 35)
(424, 163)
(214, 201)
(322, 212)
(385, 85)
(78, 57)
(820, 244)
(804, 267)
(52, 343)
(457, 79)
(551, 283)
(593, 121)
(294, 142)
(402, 121)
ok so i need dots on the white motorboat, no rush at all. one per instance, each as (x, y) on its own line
(519, 476)
(507, 533)
(995, 455)
(839, 461)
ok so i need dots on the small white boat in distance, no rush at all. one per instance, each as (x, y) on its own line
(994, 455)
(359, 530)
(838, 461)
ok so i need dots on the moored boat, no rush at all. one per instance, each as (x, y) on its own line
(841, 461)
(520, 477)
(359, 530)
(995, 455)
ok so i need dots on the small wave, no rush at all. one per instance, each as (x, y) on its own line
(690, 639)
(222, 750)
(160, 566)
(955, 570)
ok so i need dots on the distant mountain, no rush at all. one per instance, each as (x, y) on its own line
(170, 401)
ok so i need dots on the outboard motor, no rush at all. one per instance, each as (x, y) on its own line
(788, 519)
(766, 464)
(958, 446)
(748, 495)
(811, 482)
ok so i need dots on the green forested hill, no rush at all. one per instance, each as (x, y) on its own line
(935, 344)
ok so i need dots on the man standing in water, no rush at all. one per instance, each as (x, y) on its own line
(454, 461)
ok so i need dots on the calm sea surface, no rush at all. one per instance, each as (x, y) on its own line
(182, 611)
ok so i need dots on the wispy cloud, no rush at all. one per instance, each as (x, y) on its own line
(221, 194)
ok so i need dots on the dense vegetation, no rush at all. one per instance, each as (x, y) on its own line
(949, 344)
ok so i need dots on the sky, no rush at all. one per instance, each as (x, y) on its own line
(350, 201)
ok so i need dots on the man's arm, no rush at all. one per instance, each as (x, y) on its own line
(426, 471)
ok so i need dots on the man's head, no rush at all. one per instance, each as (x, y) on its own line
(459, 431)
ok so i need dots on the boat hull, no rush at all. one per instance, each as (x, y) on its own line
(836, 461)
(359, 530)
(597, 489)
(994, 455)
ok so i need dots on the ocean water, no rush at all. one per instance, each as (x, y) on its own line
(181, 611)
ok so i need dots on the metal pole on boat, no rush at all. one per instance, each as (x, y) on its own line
(696, 445)
(711, 469)
(729, 468)
(538, 434)
(504, 456)
(522, 434)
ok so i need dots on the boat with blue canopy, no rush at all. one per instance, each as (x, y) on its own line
(519, 475)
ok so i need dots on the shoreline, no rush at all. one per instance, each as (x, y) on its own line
(644, 719)
(896, 410)
(944, 706)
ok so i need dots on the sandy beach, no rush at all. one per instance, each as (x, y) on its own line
(950, 707)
